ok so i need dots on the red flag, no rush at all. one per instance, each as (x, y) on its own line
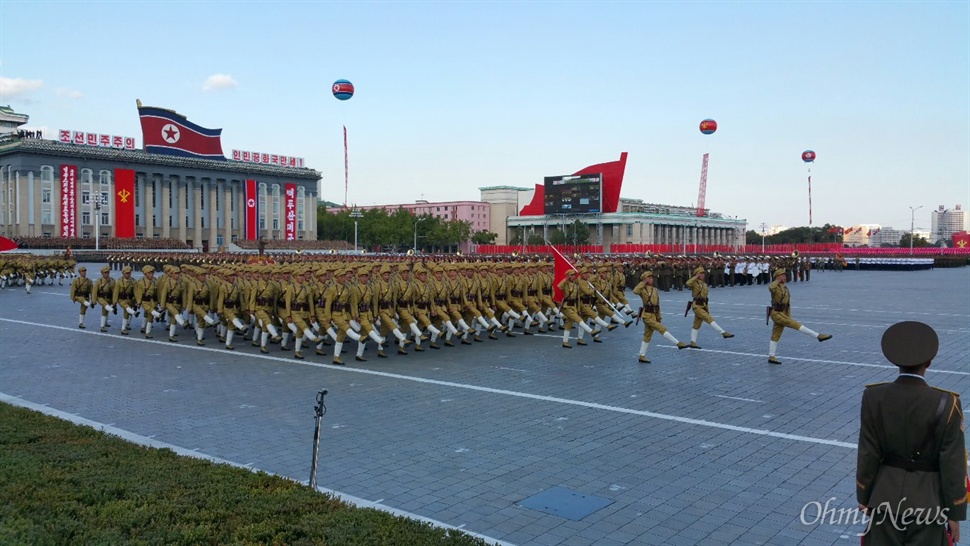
(7, 244)
(869, 233)
(961, 239)
(562, 265)
(124, 203)
(252, 211)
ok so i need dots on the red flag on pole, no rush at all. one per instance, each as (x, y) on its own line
(562, 265)
(7, 244)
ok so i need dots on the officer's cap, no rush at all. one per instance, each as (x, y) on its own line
(646, 274)
(778, 271)
(106, 269)
(910, 343)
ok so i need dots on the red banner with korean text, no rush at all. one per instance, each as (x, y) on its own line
(289, 206)
(252, 211)
(68, 200)
(124, 203)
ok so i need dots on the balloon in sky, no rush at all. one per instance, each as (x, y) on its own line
(808, 156)
(708, 126)
(343, 89)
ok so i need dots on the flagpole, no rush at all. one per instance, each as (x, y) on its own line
(809, 196)
(346, 168)
(598, 293)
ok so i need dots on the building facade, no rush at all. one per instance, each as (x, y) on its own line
(945, 222)
(198, 201)
(11, 121)
(476, 213)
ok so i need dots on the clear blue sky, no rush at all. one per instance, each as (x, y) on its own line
(452, 96)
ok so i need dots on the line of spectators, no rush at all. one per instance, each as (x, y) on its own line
(275, 244)
(108, 243)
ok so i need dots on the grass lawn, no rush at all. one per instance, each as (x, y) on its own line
(66, 484)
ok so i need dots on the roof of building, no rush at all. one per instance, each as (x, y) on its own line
(59, 149)
(517, 188)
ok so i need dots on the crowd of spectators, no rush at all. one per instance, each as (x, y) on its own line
(274, 244)
(107, 243)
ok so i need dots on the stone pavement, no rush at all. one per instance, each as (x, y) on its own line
(710, 446)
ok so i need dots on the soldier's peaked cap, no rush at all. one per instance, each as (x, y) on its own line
(699, 269)
(910, 343)
(646, 274)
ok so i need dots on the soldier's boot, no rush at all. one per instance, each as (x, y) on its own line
(823, 337)
(381, 353)
(773, 360)
(80, 322)
(264, 338)
(229, 334)
(319, 349)
(643, 352)
(171, 333)
(718, 329)
(125, 328)
(285, 341)
(643, 359)
(464, 340)
(337, 347)
(148, 329)
(418, 349)
(565, 339)
(581, 342)
(402, 339)
(670, 337)
(360, 351)
(199, 332)
(297, 349)
(693, 339)
(104, 324)
(772, 348)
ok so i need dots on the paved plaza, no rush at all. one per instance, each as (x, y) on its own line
(712, 446)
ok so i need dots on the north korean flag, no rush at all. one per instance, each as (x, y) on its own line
(169, 133)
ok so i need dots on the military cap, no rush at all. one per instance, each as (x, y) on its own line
(126, 269)
(147, 269)
(106, 269)
(699, 269)
(365, 270)
(778, 271)
(646, 274)
(82, 268)
(385, 268)
(571, 273)
(910, 343)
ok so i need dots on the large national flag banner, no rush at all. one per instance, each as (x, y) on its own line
(170, 133)
(560, 268)
(289, 202)
(68, 200)
(125, 203)
(252, 211)
(961, 239)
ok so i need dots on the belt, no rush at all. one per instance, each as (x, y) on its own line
(363, 307)
(385, 305)
(700, 301)
(262, 301)
(533, 292)
(780, 307)
(422, 306)
(651, 308)
(299, 307)
(516, 293)
(200, 301)
(148, 300)
(338, 307)
(125, 295)
(571, 302)
(174, 299)
(402, 303)
(229, 305)
(910, 465)
(439, 301)
(455, 300)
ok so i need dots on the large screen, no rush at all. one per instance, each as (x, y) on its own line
(575, 194)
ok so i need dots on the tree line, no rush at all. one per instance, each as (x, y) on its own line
(827, 233)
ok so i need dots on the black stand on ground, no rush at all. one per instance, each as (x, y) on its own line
(320, 410)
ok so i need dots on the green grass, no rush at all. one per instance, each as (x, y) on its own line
(66, 484)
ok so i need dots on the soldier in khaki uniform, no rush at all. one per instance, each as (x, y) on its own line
(386, 310)
(912, 450)
(338, 301)
(699, 304)
(572, 293)
(297, 309)
(229, 307)
(82, 291)
(104, 289)
(124, 297)
(651, 316)
(423, 297)
(171, 298)
(262, 302)
(781, 315)
(363, 302)
(146, 297)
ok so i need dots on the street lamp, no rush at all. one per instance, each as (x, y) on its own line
(912, 222)
(416, 222)
(355, 215)
(101, 200)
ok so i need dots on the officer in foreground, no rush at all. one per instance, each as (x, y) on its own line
(911, 475)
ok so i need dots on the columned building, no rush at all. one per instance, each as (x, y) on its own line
(198, 201)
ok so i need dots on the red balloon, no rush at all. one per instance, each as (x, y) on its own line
(808, 156)
(708, 126)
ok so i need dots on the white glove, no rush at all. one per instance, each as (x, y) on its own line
(156, 314)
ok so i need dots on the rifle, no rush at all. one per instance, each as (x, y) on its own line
(639, 312)
(767, 314)
(689, 304)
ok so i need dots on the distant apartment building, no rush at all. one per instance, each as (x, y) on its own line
(945, 222)
(859, 235)
(886, 236)
(476, 213)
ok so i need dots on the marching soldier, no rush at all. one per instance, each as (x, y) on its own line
(338, 301)
(124, 297)
(104, 290)
(298, 307)
(651, 315)
(199, 300)
(146, 297)
(780, 313)
(912, 451)
(171, 298)
(699, 304)
(262, 302)
(363, 302)
(82, 291)
(386, 300)
(572, 293)
(229, 307)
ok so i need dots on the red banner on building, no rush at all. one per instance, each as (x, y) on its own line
(125, 203)
(68, 200)
(289, 205)
(252, 211)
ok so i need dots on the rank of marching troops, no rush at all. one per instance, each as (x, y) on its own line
(28, 270)
(413, 305)
(408, 303)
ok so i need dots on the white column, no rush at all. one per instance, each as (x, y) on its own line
(227, 204)
(213, 217)
(182, 207)
(166, 185)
